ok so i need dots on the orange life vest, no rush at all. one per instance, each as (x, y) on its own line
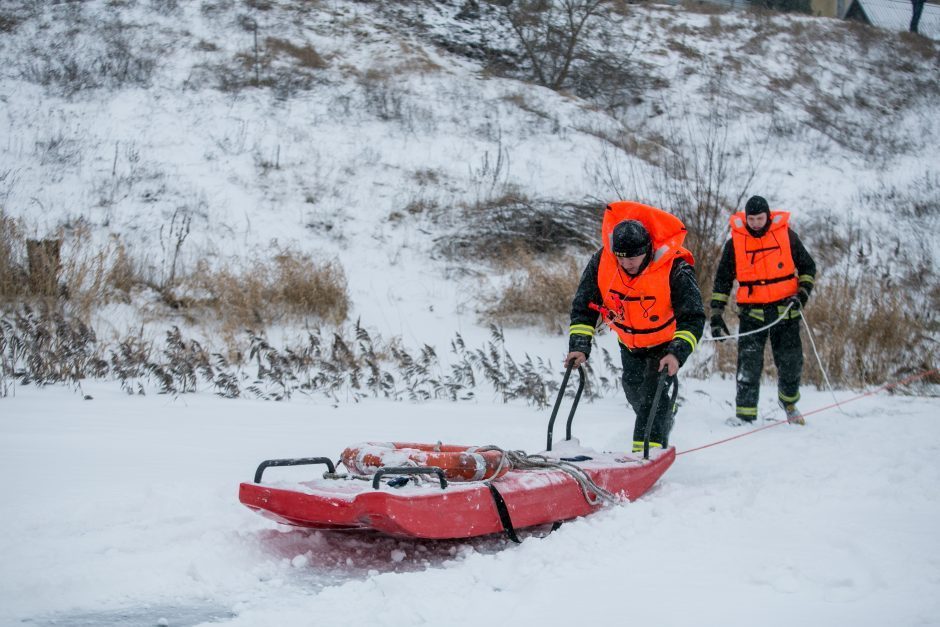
(763, 265)
(642, 305)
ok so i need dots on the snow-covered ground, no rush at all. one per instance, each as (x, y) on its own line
(123, 510)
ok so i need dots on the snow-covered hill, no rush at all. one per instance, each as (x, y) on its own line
(372, 133)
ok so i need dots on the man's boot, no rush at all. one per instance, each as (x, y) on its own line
(794, 417)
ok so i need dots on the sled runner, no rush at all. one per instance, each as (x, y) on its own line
(441, 491)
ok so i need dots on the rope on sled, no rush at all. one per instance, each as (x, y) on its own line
(520, 460)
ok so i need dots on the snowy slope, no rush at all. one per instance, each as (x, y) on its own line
(327, 157)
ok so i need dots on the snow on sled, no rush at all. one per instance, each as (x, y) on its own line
(437, 491)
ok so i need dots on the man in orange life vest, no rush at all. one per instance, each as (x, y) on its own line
(643, 283)
(773, 271)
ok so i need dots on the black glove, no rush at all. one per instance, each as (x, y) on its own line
(719, 328)
(799, 299)
(803, 296)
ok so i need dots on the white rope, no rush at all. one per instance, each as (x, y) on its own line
(809, 333)
(593, 493)
(520, 460)
(737, 335)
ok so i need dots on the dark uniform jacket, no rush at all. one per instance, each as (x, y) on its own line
(686, 305)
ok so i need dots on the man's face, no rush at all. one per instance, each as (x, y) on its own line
(631, 265)
(757, 221)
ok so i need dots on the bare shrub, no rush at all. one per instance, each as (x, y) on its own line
(567, 45)
(8, 21)
(538, 293)
(919, 199)
(172, 238)
(382, 96)
(551, 34)
(513, 225)
(58, 150)
(95, 55)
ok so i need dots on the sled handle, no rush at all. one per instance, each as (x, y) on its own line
(408, 470)
(299, 461)
(664, 381)
(574, 405)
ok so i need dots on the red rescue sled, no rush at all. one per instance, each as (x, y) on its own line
(570, 485)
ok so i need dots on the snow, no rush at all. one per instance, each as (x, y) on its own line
(123, 510)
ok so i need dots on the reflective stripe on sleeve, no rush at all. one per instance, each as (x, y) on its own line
(581, 329)
(687, 336)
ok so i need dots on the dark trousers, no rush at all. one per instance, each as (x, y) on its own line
(787, 349)
(918, 8)
(640, 377)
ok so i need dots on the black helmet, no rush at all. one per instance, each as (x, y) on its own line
(755, 205)
(630, 239)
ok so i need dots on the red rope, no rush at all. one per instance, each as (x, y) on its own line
(814, 411)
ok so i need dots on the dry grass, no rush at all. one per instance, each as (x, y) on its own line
(125, 272)
(538, 293)
(865, 335)
(304, 56)
(14, 280)
(704, 8)
(289, 286)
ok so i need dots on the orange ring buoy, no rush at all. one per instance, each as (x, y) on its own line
(459, 463)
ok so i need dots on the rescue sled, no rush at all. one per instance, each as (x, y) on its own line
(438, 491)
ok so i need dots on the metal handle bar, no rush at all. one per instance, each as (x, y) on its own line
(408, 470)
(574, 405)
(300, 461)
